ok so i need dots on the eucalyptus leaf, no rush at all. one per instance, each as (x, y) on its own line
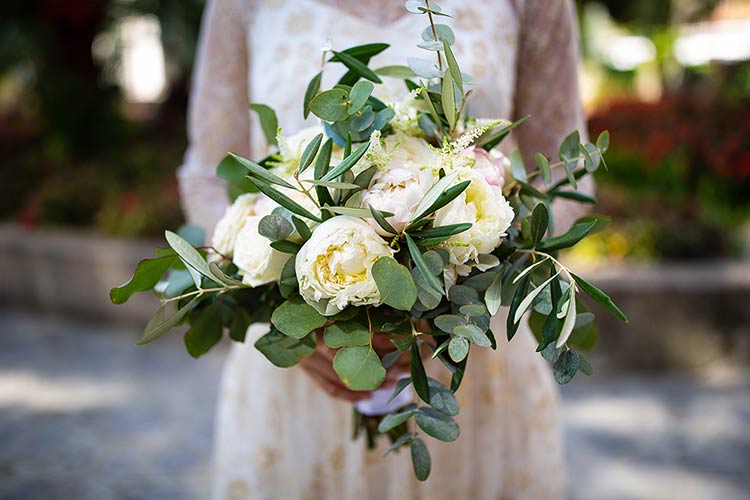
(394, 282)
(346, 334)
(296, 318)
(284, 351)
(420, 459)
(602, 142)
(542, 164)
(331, 105)
(437, 424)
(566, 366)
(448, 322)
(275, 227)
(359, 94)
(458, 348)
(424, 68)
(518, 170)
(205, 330)
(146, 276)
(393, 420)
(442, 399)
(359, 368)
(268, 122)
(363, 120)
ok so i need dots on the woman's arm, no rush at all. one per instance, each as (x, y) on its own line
(547, 89)
(218, 119)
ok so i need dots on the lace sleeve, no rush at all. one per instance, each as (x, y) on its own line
(547, 89)
(217, 119)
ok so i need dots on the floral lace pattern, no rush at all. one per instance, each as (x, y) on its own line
(278, 436)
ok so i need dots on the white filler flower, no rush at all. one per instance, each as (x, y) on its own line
(258, 263)
(334, 267)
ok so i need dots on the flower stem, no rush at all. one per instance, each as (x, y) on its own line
(434, 32)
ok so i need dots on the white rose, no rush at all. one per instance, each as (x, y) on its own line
(491, 215)
(230, 225)
(334, 267)
(257, 261)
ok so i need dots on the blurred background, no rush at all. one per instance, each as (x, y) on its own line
(93, 95)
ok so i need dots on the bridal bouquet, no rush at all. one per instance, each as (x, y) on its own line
(396, 219)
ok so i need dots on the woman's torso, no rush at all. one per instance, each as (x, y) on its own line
(285, 38)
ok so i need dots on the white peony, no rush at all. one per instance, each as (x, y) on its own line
(334, 267)
(397, 191)
(258, 263)
(234, 219)
(405, 150)
(491, 215)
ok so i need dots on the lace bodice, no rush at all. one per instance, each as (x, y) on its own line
(523, 54)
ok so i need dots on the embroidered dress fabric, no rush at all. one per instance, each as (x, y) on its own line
(278, 436)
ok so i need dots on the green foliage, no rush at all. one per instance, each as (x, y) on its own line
(420, 459)
(205, 331)
(566, 366)
(146, 275)
(331, 105)
(296, 318)
(395, 284)
(437, 424)
(284, 351)
(346, 334)
(269, 123)
(359, 368)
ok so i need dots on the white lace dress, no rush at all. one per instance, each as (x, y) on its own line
(278, 435)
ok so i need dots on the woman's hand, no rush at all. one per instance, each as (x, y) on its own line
(319, 366)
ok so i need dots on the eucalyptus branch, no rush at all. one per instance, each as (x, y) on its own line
(434, 33)
(558, 164)
(201, 291)
(563, 269)
(304, 190)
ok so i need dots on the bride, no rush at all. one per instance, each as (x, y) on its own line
(283, 433)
